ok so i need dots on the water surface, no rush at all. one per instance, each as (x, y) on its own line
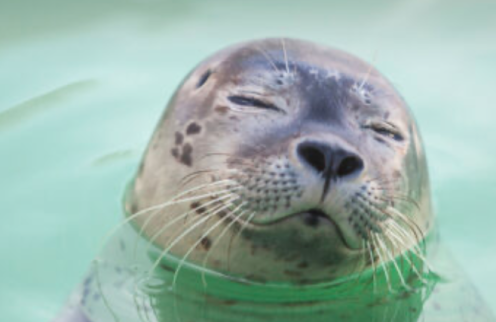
(83, 85)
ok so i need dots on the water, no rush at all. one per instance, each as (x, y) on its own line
(83, 85)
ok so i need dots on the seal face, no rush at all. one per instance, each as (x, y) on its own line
(282, 160)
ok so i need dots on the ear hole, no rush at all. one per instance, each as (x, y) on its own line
(203, 79)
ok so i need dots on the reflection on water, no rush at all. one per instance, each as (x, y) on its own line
(122, 287)
(83, 85)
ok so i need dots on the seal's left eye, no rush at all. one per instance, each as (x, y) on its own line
(387, 130)
(251, 101)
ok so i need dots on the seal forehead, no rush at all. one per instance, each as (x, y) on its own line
(287, 52)
(321, 81)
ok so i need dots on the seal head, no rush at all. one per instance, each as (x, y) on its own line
(284, 161)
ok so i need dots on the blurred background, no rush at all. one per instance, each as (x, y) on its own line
(82, 86)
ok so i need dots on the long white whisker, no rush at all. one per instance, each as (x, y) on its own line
(268, 59)
(405, 256)
(393, 260)
(183, 234)
(156, 207)
(217, 240)
(285, 55)
(414, 247)
(415, 229)
(382, 262)
(204, 235)
(243, 227)
(372, 260)
(184, 215)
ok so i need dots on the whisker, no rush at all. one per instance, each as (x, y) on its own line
(392, 259)
(285, 55)
(184, 215)
(382, 262)
(150, 218)
(243, 227)
(367, 74)
(186, 232)
(266, 55)
(416, 230)
(204, 235)
(415, 248)
(405, 256)
(131, 217)
(219, 237)
(372, 261)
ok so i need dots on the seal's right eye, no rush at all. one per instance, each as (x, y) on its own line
(254, 102)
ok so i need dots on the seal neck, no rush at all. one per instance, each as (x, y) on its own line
(404, 274)
(398, 288)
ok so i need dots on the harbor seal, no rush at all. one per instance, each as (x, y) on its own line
(286, 181)
(308, 150)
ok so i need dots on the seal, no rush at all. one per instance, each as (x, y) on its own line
(286, 181)
(302, 157)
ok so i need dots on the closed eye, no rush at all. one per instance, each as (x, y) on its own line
(250, 101)
(386, 129)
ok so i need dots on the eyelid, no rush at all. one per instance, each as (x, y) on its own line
(386, 127)
(252, 101)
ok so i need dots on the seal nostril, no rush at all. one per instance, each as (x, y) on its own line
(349, 165)
(313, 156)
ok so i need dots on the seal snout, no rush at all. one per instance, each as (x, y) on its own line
(329, 160)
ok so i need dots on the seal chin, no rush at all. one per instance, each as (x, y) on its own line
(315, 217)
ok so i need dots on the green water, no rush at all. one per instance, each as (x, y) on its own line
(132, 290)
(83, 85)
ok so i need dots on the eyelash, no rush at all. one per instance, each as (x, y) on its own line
(250, 101)
(386, 131)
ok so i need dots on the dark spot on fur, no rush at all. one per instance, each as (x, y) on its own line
(193, 128)
(179, 138)
(203, 79)
(194, 205)
(175, 152)
(234, 118)
(302, 265)
(303, 282)
(292, 273)
(133, 208)
(221, 109)
(253, 250)
(222, 213)
(197, 206)
(257, 278)
(186, 156)
(229, 302)
(206, 243)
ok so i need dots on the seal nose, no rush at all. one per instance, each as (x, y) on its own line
(329, 160)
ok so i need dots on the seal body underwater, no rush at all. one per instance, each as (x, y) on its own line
(281, 166)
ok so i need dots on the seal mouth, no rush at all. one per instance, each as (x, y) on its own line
(312, 218)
